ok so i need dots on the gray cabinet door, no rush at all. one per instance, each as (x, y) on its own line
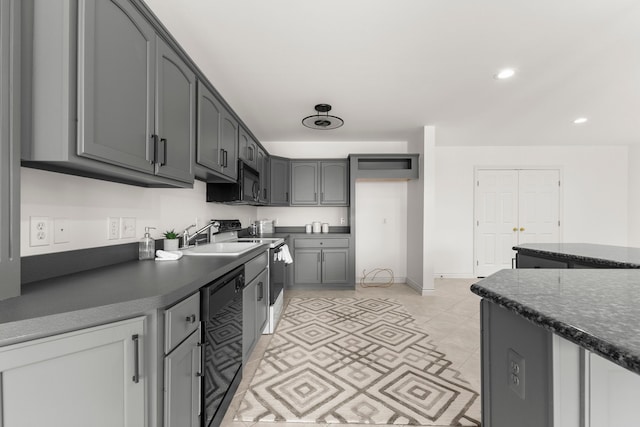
(116, 57)
(249, 306)
(334, 183)
(182, 369)
(335, 264)
(229, 144)
(262, 302)
(247, 148)
(208, 152)
(307, 266)
(262, 161)
(304, 183)
(279, 181)
(175, 115)
(9, 148)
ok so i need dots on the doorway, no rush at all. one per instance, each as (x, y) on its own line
(512, 207)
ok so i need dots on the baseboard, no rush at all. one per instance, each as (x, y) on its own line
(454, 276)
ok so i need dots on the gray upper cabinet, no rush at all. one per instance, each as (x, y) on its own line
(262, 161)
(320, 183)
(304, 183)
(217, 141)
(247, 148)
(98, 80)
(334, 183)
(9, 148)
(175, 115)
(278, 181)
(116, 85)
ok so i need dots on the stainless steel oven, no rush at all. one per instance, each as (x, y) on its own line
(222, 344)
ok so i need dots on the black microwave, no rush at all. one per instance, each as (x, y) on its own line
(246, 190)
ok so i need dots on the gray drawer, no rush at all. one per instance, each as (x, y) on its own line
(255, 266)
(180, 321)
(322, 243)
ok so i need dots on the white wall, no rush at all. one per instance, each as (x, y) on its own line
(87, 203)
(594, 192)
(634, 196)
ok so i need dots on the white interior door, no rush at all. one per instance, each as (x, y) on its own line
(539, 210)
(496, 219)
(513, 207)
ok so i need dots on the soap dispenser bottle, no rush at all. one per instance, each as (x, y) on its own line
(147, 246)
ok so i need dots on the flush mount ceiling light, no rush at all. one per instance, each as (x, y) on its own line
(507, 73)
(580, 120)
(322, 120)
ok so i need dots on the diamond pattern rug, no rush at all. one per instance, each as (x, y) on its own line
(356, 360)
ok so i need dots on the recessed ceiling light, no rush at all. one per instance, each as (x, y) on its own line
(505, 74)
(580, 120)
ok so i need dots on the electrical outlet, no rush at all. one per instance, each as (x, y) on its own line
(341, 221)
(60, 230)
(128, 227)
(113, 228)
(515, 373)
(38, 231)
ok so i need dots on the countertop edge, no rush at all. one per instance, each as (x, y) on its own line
(573, 257)
(613, 352)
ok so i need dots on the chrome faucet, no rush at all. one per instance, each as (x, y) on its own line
(187, 238)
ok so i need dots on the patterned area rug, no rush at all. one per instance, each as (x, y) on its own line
(356, 360)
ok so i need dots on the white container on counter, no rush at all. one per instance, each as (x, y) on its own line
(307, 228)
(325, 227)
(317, 226)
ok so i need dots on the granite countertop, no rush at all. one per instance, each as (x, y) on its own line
(597, 309)
(605, 255)
(108, 294)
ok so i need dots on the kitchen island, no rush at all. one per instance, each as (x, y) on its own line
(560, 347)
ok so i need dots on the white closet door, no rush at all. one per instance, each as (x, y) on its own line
(513, 207)
(539, 195)
(496, 219)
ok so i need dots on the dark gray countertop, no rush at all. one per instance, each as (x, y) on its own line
(108, 294)
(597, 309)
(604, 255)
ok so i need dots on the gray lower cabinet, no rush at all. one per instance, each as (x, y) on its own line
(9, 148)
(217, 142)
(321, 261)
(254, 312)
(279, 181)
(517, 370)
(320, 183)
(182, 371)
(126, 112)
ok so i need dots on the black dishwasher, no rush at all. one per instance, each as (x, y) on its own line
(222, 338)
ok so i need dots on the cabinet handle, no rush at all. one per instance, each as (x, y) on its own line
(260, 291)
(287, 196)
(265, 193)
(191, 319)
(151, 149)
(162, 152)
(221, 157)
(136, 358)
(250, 156)
(225, 158)
(199, 374)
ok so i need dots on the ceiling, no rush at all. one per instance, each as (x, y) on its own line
(389, 67)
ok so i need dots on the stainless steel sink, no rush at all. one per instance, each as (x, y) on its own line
(221, 248)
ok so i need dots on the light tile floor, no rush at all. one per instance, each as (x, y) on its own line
(450, 315)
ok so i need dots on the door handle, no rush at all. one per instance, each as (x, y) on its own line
(152, 148)
(515, 228)
(162, 152)
(136, 358)
(521, 228)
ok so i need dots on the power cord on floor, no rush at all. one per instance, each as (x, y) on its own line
(372, 275)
